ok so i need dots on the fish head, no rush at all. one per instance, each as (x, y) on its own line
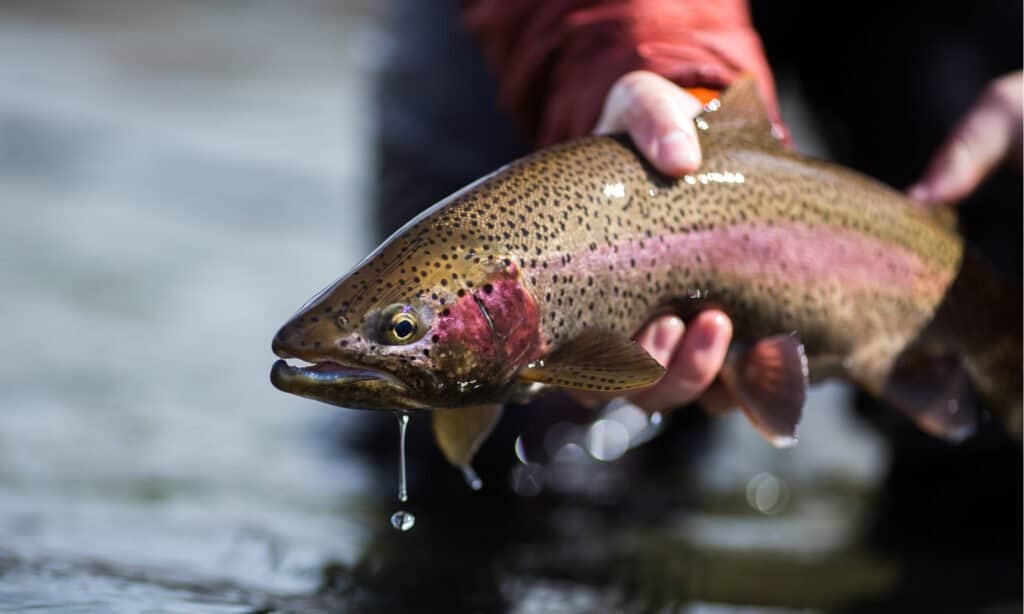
(412, 330)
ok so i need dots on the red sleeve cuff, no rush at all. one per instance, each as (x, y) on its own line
(556, 59)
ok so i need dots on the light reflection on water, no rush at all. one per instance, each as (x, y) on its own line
(171, 193)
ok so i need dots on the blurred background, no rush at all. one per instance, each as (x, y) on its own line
(178, 177)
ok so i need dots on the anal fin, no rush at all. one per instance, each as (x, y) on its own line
(460, 433)
(769, 381)
(598, 360)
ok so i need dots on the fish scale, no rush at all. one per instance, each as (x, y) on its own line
(638, 275)
(539, 274)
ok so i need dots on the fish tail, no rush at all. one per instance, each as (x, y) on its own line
(984, 313)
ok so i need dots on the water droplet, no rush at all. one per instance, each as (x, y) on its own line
(607, 440)
(527, 480)
(558, 435)
(472, 479)
(570, 454)
(630, 416)
(403, 520)
(520, 450)
(403, 423)
(614, 190)
(767, 493)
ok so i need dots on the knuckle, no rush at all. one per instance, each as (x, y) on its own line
(691, 382)
(626, 86)
(635, 78)
(639, 84)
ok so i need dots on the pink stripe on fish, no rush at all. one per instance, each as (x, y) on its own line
(791, 252)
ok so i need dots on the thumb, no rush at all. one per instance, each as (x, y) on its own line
(658, 115)
(988, 135)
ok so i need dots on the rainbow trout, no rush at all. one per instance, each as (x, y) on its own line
(538, 276)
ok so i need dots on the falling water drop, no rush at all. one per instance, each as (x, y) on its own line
(403, 423)
(402, 520)
(472, 479)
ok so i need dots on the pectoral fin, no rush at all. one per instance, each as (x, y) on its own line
(769, 381)
(597, 360)
(935, 393)
(460, 432)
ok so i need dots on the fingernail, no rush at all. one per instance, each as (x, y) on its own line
(666, 333)
(679, 151)
(709, 331)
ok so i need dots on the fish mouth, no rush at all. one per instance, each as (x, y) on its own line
(290, 378)
(353, 387)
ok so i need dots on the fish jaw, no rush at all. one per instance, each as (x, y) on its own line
(324, 372)
(346, 386)
(327, 372)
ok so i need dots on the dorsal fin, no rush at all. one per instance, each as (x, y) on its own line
(946, 217)
(740, 109)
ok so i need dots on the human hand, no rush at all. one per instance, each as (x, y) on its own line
(987, 136)
(658, 115)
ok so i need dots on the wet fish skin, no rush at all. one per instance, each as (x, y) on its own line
(586, 236)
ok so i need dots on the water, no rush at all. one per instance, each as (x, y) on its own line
(472, 479)
(401, 519)
(403, 487)
(173, 189)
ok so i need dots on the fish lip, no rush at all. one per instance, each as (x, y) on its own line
(326, 373)
(278, 346)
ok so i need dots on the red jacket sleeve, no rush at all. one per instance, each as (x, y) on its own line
(555, 60)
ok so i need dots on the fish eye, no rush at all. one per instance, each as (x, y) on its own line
(400, 324)
(403, 326)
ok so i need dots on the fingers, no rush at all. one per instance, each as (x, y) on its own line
(717, 400)
(694, 363)
(661, 337)
(984, 138)
(658, 115)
